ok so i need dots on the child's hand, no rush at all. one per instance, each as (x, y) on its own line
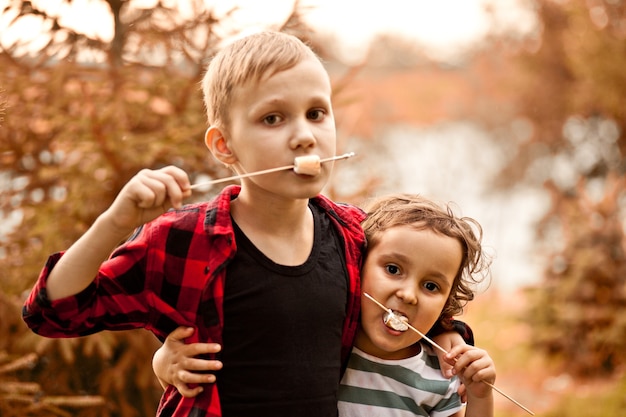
(174, 363)
(447, 341)
(473, 366)
(147, 195)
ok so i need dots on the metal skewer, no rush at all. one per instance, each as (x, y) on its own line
(267, 171)
(445, 351)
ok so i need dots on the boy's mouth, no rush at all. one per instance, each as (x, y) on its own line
(396, 321)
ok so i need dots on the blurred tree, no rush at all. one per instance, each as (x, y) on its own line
(83, 115)
(570, 87)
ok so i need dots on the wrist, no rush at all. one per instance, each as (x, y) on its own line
(107, 226)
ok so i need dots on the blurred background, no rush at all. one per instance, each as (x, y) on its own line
(515, 110)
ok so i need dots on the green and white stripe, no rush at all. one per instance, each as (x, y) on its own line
(408, 387)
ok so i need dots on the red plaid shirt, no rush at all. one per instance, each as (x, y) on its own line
(171, 273)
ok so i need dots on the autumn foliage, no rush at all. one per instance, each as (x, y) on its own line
(572, 90)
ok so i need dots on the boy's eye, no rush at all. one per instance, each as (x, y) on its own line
(315, 114)
(431, 286)
(272, 119)
(392, 269)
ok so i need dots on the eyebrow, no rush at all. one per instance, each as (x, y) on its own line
(313, 102)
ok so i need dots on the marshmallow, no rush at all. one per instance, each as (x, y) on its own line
(307, 165)
(396, 322)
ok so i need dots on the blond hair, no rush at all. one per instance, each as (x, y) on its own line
(421, 213)
(247, 59)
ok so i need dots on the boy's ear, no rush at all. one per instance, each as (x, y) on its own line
(217, 144)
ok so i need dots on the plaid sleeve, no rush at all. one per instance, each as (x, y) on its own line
(205, 404)
(119, 298)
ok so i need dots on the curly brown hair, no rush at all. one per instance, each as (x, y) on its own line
(421, 213)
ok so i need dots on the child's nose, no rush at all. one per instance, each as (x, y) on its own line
(407, 294)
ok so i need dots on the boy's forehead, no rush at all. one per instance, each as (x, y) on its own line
(312, 63)
(315, 70)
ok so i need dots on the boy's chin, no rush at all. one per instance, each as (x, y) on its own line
(309, 190)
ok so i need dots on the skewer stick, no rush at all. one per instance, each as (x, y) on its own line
(267, 171)
(435, 345)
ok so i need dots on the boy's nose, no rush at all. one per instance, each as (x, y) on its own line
(303, 136)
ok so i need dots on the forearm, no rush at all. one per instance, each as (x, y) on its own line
(78, 267)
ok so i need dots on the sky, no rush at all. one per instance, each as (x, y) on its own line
(443, 26)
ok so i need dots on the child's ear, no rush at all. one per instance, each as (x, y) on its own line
(218, 145)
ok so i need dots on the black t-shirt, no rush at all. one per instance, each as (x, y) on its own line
(282, 330)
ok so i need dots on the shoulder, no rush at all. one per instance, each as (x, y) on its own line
(429, 356)
(347, 214)
(186, 217)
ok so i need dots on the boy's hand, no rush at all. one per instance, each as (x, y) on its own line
(473, 366)
(176, 363)
(147, 195)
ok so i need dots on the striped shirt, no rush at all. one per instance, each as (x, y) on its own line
(409, 387)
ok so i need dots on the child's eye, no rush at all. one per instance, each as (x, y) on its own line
(392, 269)
(316, 114)
(271, 119)
(431, 286)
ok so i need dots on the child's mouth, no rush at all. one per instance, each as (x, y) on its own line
(396, 321)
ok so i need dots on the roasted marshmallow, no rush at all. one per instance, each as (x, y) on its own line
(396, 322)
